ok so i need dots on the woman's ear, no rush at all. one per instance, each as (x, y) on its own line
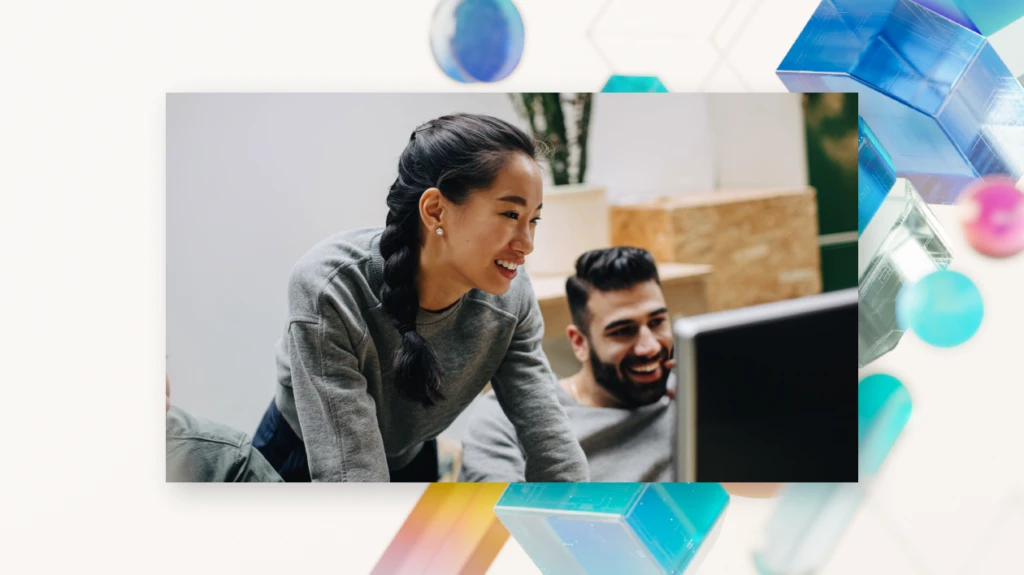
(432, 209)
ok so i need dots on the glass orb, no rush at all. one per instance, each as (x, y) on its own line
(944, 308)
(993, 217)
(477, 40)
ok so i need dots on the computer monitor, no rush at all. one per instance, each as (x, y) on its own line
(768, 393)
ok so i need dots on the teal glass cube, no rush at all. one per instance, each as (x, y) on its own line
(613, 528)
(902, 243)
(633, 84)
(810, 518)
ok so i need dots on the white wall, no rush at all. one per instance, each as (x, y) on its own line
(253, 181)
(755, 143)
(650, 145)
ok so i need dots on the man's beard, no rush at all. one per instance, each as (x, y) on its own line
(623, 389)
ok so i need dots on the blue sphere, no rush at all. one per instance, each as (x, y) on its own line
(944, 308)
(477, 40)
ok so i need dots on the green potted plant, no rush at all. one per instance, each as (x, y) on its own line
(575, 209)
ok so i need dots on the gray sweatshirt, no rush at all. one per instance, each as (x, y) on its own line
(621, 444)
(200, 450)
(336, 389)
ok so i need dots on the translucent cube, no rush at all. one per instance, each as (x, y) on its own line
(984, 16)
(632, 84)
(951, 9)
(614, 528)
(875, 174)
(938, 97)
(903, 243)
(810, 518)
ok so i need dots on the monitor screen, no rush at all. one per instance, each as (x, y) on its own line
(776, 400)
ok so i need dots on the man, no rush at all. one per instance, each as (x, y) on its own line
(200, 450)
(619, 403)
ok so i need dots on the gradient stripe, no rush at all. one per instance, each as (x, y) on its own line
(452, 530)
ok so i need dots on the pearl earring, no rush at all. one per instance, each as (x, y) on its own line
(439, 231)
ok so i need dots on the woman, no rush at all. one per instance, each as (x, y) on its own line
(393, 331)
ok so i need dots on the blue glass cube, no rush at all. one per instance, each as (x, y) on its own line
(810, 518)
(613, 528)
(875, 174)
(938, 97)
(633, 84)
(902, 243)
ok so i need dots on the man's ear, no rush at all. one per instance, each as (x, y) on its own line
(432, 209)
(580, 345)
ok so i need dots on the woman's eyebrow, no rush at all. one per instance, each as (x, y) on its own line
(517, 200)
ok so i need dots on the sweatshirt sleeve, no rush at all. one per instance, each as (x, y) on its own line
(525, 387)
(336, 413)
(490, 448)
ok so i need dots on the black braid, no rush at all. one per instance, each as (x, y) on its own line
(456, 154)
(417, 370)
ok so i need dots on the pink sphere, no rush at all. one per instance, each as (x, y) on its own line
(993, 218)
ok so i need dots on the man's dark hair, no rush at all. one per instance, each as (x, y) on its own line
(606, 269)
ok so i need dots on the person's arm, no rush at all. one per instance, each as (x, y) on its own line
(337, 415)
(255, 468)
(525, 388)
(490, 449)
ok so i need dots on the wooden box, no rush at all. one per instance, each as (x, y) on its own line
(575, 221)
(762, 245)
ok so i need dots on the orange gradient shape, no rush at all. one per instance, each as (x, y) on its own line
(452, 531)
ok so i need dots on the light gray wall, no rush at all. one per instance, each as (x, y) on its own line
(253, 181)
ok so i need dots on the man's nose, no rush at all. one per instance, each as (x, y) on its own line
(647, 345)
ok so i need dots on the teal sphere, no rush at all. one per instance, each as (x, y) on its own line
(943, 309)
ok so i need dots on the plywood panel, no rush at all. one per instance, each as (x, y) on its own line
(761, 244)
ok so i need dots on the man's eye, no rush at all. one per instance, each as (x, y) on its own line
(657, 321)
(623, 332)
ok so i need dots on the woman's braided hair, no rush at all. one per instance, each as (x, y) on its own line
(457, 154)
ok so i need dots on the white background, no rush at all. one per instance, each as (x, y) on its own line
(83, 293)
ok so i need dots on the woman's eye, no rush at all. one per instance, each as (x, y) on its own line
(534, 220)
(513, 215)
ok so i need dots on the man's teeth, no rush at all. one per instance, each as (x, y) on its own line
(650, 367)
(506, 265)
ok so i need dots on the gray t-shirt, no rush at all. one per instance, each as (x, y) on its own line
(200, 450)
(336, 389)
(620, 444)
